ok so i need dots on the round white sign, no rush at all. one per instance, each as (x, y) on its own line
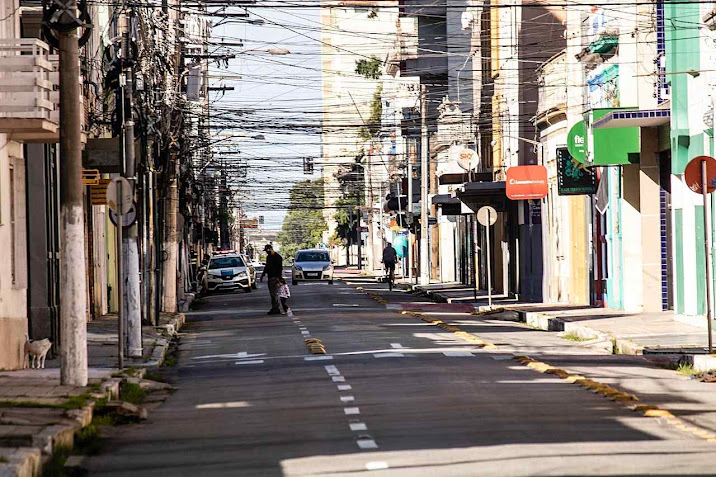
(487, 215)
(120, 205)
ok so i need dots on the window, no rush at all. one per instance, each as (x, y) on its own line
(312, 257)
(225, 262)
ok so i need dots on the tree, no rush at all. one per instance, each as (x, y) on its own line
(372, 126)
(304, 224)
(369, 68)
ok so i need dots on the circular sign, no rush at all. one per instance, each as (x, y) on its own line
(114, 201)
(127, 219)
(466, 158)
(577, 142)
(692, 174)
(487, 215)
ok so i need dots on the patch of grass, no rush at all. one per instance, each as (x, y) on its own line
(132, 393)
(686, 369)
(56, 466)
(574, 337)
(73, 402)
(170, 359)
(155, 376)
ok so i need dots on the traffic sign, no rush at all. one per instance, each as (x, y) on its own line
(487, 215)
(127, 219)
(692, 174)
(118, 204)
(526, 182)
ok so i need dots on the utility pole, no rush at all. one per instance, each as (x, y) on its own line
(169, 271)
(424, 173)
(73, 273)
(130, 249)
(411, 159)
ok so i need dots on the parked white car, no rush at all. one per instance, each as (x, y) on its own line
(314, 265)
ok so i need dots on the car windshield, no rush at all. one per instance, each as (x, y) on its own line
(225, 262)
(312, 257)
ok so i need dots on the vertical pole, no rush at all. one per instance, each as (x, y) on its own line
(359, 234)
(424, 173)
(489, 265)
(709, 264)
(411, 157)
(120, 280)
(73, 274)
(475, 271)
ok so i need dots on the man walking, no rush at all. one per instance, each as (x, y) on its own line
(274, 270)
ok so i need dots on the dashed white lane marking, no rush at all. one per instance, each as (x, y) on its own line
(388, 355)
(304, 333)
(345, 304)
(339, 379)
(396, 345)
(344, 387)
(332, 370)
(367, 444)
(348, 398)
(351, 411)
(318, 358)
(376, 465)
(457, 354)
(251, 361)
(358, 426)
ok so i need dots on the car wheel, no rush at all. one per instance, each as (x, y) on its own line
(330, 282)
(254, 285)
(247, 290)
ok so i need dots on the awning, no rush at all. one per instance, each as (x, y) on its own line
(450, 205)
(633, 118)
(478, 194)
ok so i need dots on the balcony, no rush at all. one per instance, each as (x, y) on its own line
(28, 97)
(552, 102)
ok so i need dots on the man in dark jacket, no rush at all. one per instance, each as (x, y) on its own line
(274, 270)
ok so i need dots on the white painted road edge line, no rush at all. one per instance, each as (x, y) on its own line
(388, 355)
(318, 358)
(252, 361)
(351, 411)
(376, 465)
(458, 354)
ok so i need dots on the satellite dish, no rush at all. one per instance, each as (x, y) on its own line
(466, 158)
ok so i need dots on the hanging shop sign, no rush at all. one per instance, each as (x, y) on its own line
(526, 182)
(572, 177)
(577, 141)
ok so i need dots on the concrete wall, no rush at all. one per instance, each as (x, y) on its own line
(13, 260)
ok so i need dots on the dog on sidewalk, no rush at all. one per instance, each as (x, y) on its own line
(36, 352)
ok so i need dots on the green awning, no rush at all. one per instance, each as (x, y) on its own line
(612, 146)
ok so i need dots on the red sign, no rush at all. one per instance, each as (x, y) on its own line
(526, 182)
(692, 174)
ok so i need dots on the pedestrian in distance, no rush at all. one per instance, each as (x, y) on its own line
(284, 293)
(390, 257)
(274, 270)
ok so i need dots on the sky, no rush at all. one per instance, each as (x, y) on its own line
(276, 104)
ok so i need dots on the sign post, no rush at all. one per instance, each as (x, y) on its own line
(119, 200)
(700, 177)
(487, 216)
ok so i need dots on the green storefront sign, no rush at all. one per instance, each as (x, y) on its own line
(604, 146)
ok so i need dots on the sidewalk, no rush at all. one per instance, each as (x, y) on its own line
(659, 335)
(39, 416)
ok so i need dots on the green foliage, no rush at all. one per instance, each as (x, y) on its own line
(371, 128)
(304, 224)
(370, 69)
(132, 393)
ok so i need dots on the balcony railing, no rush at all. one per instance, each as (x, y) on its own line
(552, 88)
(28, 98)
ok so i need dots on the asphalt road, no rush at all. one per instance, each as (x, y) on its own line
(394, 397)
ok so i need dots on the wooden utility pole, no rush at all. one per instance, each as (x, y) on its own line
(73, 272)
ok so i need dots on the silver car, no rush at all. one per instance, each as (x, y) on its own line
(228, 271)
(312, 265)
